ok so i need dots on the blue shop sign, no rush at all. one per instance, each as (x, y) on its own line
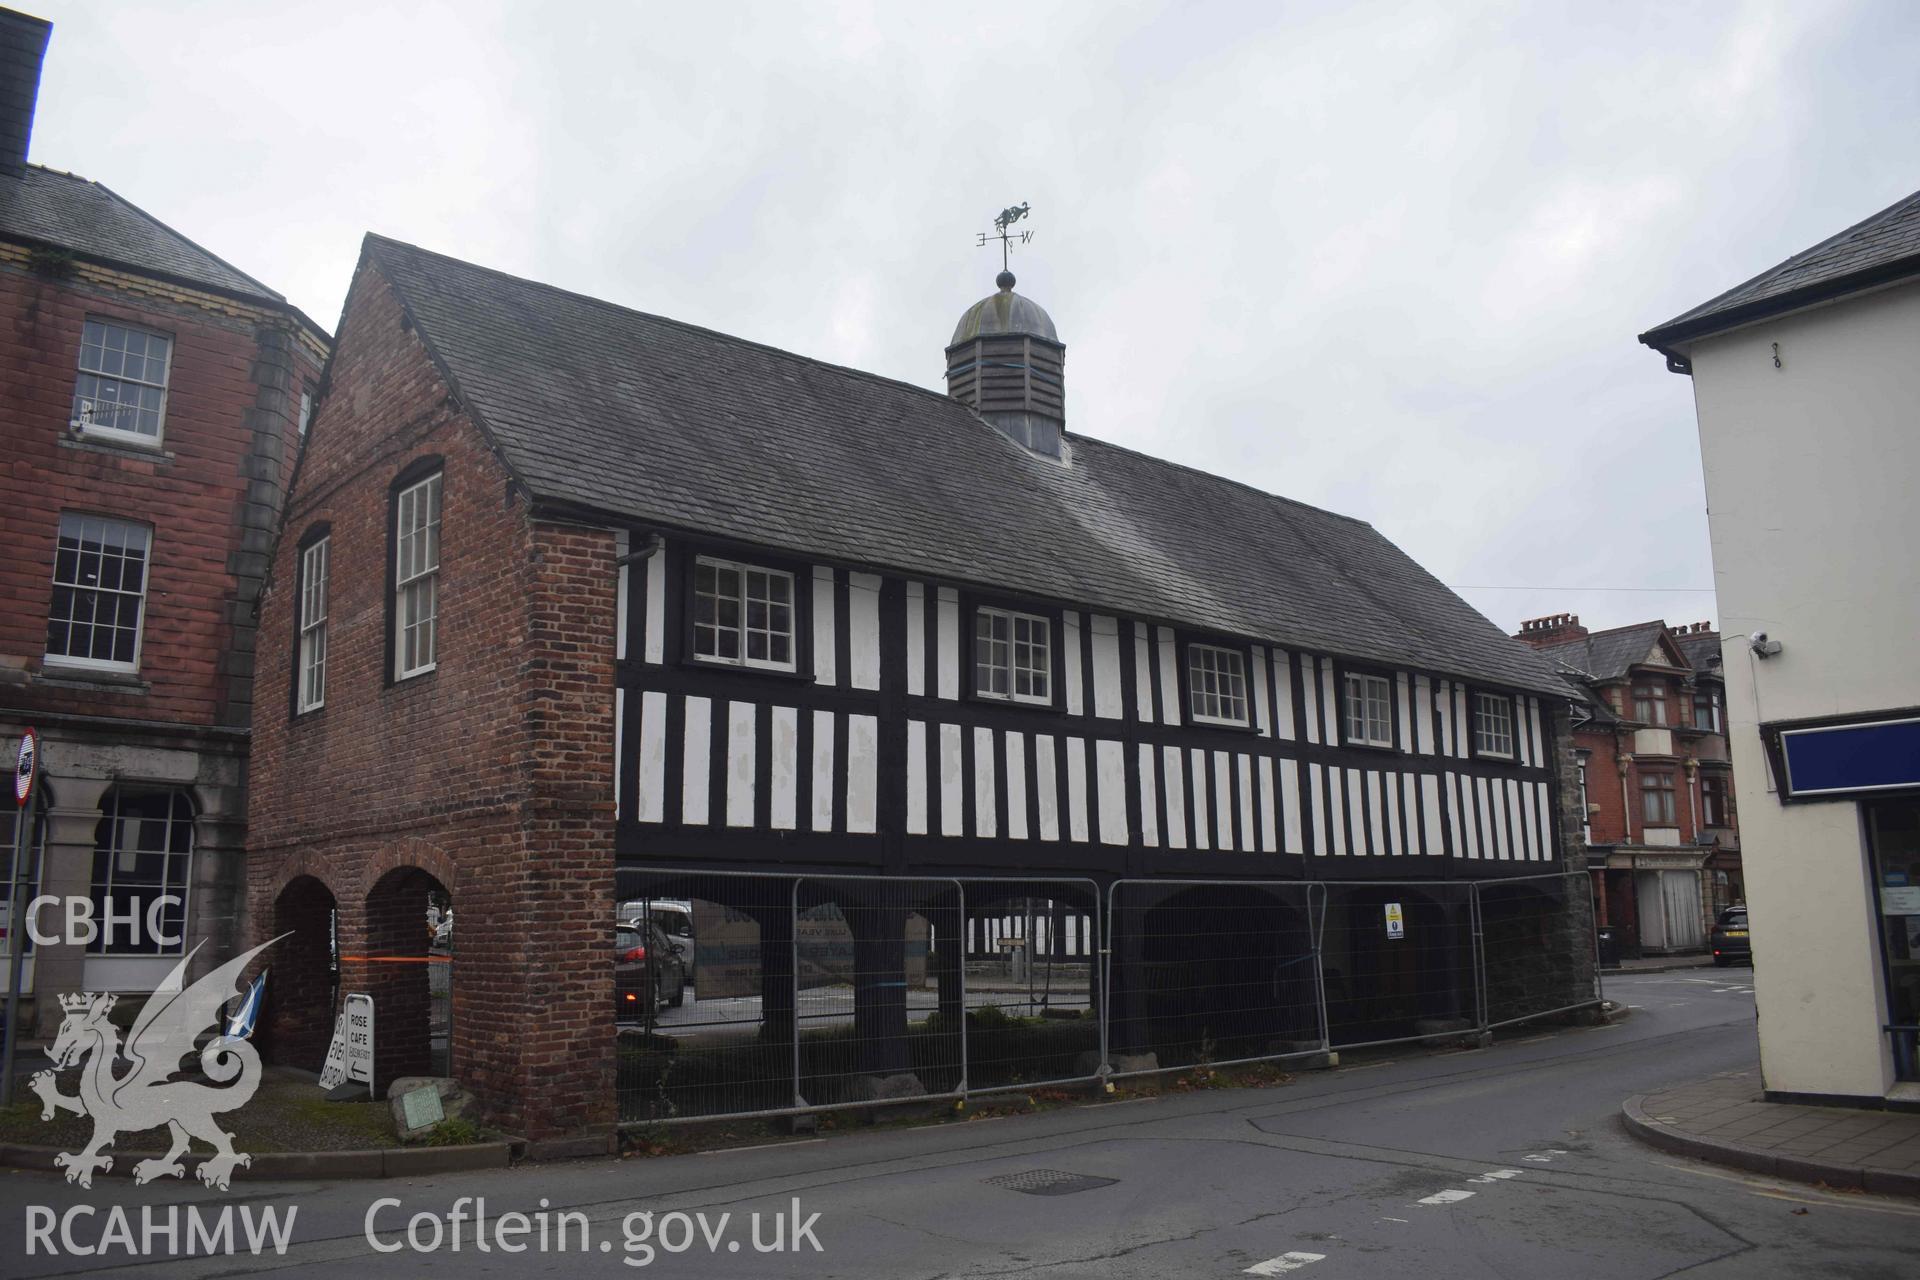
(1832, 761)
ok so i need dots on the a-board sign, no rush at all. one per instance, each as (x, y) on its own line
(350, 1054)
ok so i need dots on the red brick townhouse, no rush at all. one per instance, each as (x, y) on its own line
(1655, 774)
(151, 396)
(565, 590)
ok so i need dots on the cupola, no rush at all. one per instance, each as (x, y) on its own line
(1005, 361)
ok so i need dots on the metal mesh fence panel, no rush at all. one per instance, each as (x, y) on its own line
(1397, 961)
(703, 1005)
(743, 994)
(1537, 946)
(1032, 958)
(880, 1011)
(1211, 972)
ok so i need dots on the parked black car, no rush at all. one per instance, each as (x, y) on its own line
(648, 974)
(1730, 941)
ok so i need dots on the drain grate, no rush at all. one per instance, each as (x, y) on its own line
(1048, 1182)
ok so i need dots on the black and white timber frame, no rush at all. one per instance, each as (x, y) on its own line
(875, 756)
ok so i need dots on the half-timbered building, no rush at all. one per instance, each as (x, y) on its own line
(610, 591)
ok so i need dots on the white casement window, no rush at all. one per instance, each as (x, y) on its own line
(121, 392)
(313, 626)
(743, 614)
(1706, 710)
(143, 850)
(1650, 704)
(1493, 725)
(1370, 710)
(1217, 684)
(416, 578)
(99, 593)
(1012, 656)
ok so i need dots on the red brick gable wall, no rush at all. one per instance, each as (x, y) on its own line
(492, 773)
(231, 366)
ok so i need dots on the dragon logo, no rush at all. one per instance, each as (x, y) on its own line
(145, 1095)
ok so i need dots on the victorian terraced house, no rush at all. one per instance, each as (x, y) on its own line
(1656, 776)
(604, 591)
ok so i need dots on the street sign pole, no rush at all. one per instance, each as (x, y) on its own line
(26, 782)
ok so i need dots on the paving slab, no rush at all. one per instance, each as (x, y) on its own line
(1727, 1119)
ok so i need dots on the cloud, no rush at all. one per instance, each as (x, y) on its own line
(1385, 258)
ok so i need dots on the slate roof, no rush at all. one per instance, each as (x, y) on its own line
(1702, 649)
(1881, 249)
(23, 45)
(672, 426)
(46, 206)
(1607, 655)
(1595, 707)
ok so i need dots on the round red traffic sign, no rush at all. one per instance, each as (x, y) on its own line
(24, 765)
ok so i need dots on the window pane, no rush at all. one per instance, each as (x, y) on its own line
(99, 578)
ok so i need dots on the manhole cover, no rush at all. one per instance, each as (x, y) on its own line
(1048, 1182)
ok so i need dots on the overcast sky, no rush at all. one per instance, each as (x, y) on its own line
(1387, 259)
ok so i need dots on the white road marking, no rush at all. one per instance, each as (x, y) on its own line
(1394, 1219)
(1539, 1159)
(1495, 1175)
(1284, 1263)
(1448, 1197)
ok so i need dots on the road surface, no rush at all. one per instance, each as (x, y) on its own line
(1508, 1162)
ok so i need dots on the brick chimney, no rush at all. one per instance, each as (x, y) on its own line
(1555, 628)
(23, 46)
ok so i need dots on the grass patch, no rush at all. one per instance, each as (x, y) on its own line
(288, 1113)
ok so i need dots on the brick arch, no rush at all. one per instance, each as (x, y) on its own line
(300, 991)
(410, 852)
(392, 960)
(308, 863)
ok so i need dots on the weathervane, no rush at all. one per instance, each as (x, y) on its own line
(1007, 238)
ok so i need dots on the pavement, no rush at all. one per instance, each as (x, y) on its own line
(1508, 1161)
(1726, 1119)
(1658, 964)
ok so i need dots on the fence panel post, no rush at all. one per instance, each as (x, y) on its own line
(1480, 1011)
(793, 928)
(1319, 926)
(966, 1060)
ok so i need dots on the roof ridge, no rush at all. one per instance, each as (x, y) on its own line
(1630, 626)
(191, 243)
(685, 325)
(867, 374)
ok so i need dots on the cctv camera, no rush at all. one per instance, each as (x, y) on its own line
(1761, 646)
